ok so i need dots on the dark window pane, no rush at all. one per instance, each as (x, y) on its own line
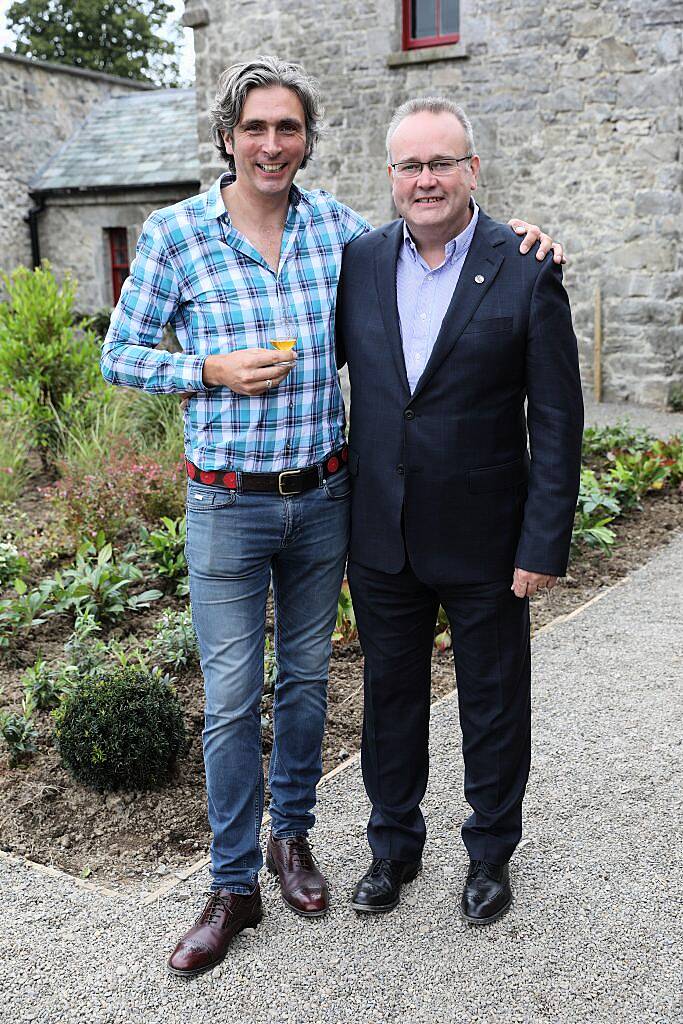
(450, 17)
(423, 18)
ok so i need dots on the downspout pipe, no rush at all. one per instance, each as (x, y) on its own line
(31, 219)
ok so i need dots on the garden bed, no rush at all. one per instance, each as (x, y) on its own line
(129, 837)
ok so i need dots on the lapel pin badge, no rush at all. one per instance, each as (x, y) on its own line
(479, 279)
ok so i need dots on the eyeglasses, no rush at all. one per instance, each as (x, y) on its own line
(439, 168)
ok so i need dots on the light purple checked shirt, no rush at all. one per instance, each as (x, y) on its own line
(424, 295)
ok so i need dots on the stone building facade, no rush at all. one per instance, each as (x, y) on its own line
(92, 155)
(132, 155)
(577, 116)
(41, 105)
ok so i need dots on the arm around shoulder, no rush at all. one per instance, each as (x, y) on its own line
(555, 423)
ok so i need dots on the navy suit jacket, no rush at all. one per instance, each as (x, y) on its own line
(443, 475)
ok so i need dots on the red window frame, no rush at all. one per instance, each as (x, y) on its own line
(409, 43)
(118, 252)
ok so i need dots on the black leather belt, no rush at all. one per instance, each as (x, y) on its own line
(287, 482)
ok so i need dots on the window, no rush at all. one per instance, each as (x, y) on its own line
(118, 250)
(430, 23)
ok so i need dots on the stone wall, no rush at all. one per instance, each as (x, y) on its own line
(40, 107)
(577, 114)
(73, 235)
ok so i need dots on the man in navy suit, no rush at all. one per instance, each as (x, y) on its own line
(447, 330)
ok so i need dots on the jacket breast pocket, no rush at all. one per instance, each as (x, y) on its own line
(491, 325)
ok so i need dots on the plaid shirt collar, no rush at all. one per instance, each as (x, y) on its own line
(215, 207)
(299, 212)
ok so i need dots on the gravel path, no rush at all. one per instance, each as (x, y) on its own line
(595, 932)
(660, 423)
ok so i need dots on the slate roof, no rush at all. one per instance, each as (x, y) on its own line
(147, 138)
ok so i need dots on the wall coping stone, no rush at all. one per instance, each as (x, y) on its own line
(99, 76)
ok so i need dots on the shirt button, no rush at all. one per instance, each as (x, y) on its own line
(423, 316)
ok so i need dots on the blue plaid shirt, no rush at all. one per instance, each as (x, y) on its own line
(192, 269)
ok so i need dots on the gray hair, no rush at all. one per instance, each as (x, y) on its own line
(264, 71)
(433, 105)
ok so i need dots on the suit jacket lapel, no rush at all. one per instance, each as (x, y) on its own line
(482, 261)
(386, 256)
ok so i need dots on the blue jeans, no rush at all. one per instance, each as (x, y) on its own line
(237, 543)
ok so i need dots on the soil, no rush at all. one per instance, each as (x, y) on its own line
(124, 839)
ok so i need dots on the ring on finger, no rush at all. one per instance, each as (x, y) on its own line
(269, 384)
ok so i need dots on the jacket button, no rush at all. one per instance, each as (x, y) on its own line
(400, 469)
(409, 414)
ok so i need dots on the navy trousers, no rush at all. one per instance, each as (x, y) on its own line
(396, 616)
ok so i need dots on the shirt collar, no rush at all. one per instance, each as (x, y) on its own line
(455, 247)
(215, 207)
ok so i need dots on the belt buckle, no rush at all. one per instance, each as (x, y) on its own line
(286, 472)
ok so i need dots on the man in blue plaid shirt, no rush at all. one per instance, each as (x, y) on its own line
(268, 494)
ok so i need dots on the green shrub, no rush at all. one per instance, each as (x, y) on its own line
(675, 397)
(124, 730)
(124, 484)
(48, 364)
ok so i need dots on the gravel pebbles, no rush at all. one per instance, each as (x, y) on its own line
(594, 935)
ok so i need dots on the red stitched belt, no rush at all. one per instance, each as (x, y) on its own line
(289, 481)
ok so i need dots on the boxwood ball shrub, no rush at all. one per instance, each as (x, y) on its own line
(120, 730)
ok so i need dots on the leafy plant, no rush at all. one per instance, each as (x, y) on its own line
(345, 627)
(175, 642)
(166, 549)
(595, 509)
(620, 436)
(100, 586)
(18, 730)
(45, 685)
(48, 364)
(12, 564)
(633, 474)
(442, 640)
(123, 729)
(269, 667)
(21, 613)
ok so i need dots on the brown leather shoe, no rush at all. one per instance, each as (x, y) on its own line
(206, 943)
(302, 884)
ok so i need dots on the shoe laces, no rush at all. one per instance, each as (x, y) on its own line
(482, 867)
(216, 905)
(301, 854)
(379, 866)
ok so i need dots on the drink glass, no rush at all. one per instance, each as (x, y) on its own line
(283, 331)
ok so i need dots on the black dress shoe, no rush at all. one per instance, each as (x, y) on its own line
(379, 889)
(487, 893)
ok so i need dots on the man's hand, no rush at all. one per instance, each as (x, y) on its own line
(532, 234)
(249, 371)
(525, 584)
